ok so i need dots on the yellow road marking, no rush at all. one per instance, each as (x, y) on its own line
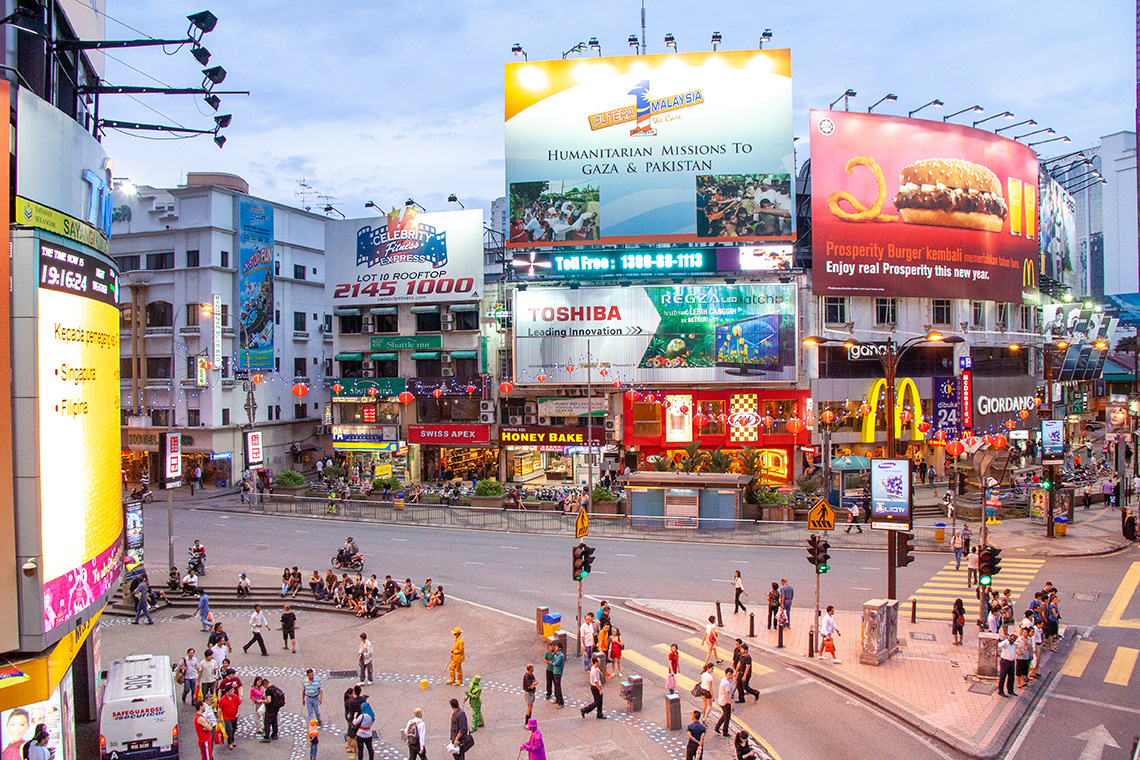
(1113, 614)
(698, 644)
(1079, 658)
(656, 668)
(757, 670)
(1120, 671)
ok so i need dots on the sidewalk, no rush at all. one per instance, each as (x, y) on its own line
(928, 684)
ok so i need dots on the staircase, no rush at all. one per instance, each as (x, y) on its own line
(226, 598)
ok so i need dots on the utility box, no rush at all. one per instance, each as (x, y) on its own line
(551, 624)
(631, 691)
(673, 712)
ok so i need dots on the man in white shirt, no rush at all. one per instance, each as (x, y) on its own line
(257, 621)
(190, 677)
(208, 674)
(416, 726)
(724, 701)
(586, 634)
(597, 682)
(828, 631)
(1007, 658)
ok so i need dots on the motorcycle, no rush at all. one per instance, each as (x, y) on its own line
(142, 494)
(355, 562)
(197, 562)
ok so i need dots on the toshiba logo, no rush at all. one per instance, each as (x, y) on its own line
(574, 313)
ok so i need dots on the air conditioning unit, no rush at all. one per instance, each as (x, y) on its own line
(445, 359)
(514, 420)
(486, 406)
(487, 418)
(369, 373)
(531, 419)
(559, 391)
(447, 322)
(576, 392)
(611, 435)
(611, 424)
(447, 372)
(544, 421)
(447, 318)
(532, 407)
(367, 365)
(366, 325)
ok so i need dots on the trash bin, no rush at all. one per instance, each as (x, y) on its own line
(939, 532)
(1060, 525)
(398, 502)
(219, 482)
(551, 624)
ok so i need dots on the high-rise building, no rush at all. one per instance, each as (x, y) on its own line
(1106, 215)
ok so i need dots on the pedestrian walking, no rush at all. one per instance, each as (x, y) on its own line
(853, 517)
(364, 659)
(828, 631)
(530, 686)
(958, 621)
(142, 602)
(674, 668)
(597, 684)
(967, 534)
(696, 732)
(474, 696)
(228, 706)
(1007, 654)
(461, 738)
(208, 674)
(786, 595)
(204, 612)
(971, 566)
(312, 694)
(744, 675)
(534, 748)
(257, 621)
(415, 736)
(314, 739)
(709, 642)
(364, 731)
(738, 585)
(705, 689)
(586, 637)
(274, 701)
(189, 669)
(724, 693)
(289, 628)
(956, 545)
(203, 731)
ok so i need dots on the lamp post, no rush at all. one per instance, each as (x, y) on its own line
(889, 352)
(844, 97)
(936, 103)
(975, 109)
(889, 96)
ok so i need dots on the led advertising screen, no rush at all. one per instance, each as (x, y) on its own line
(914, 208)
(255, 283)
(1060, 259)
(78, 384)
(1053, 438)
(890, 494)
(1082, 328)
(650, 148)
(649, 261)
(675, 334)
(407, 257)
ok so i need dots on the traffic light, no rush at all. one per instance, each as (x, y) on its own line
(904, 553)
(989, 564)
(995, 562)
(813, 549)
(1047, 479)
(822, 565)
(583, 558)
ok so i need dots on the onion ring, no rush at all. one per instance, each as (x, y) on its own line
(861, 213)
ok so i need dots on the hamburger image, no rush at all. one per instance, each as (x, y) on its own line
(950, 192)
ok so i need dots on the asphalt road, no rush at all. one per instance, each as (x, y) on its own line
(798, 716)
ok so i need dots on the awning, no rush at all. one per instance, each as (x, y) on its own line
(425, 355)
(383, 311)
(433, 309)
(384, 357)
(349, 357)
(463, 307)
(464, 354)
(347, 312)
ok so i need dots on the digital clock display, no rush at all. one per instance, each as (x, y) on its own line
(644, 262)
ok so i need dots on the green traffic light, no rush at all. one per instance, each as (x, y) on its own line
(821, 569)
(1047, 485)
(986, 580)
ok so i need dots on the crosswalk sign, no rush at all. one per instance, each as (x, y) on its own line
(582, 527)
(822, 516)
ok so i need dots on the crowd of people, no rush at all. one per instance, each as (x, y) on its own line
(555, 219)
(736, 205)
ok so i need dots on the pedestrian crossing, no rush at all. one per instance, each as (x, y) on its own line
(1119, 671)
(658, 664)
(936, 597)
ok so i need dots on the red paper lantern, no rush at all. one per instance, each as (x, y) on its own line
(1037, 402)
(505, 387)
(988, 439)
(436, 393)
(924, 427)
(767, 421)
(1000, 442)
(258, 378)
(300, 390)
(603, 372)
(905, 417)
(337, 387)
(722, 418)
(827, 416)
(405, 398)
(864, 409)
(617, 383)
(470, 388)
(541, 378)
(955, 448)
(372, 392)
(795, 425)
(666, 404)
(684, 409)
(1010, 424)
(940, 436)
(632, 396)
(971, 442)
(1023, 414)
(569, 367)
(701, 419)
(651, 398)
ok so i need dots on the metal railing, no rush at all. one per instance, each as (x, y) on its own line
(754, 532)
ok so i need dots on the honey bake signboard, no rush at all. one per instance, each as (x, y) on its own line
(914, 208)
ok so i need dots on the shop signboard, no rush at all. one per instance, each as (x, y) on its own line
(255, 283)
(1060, 258)
(890, 494)
(171, 446)
(997, 400)
(406, 342)
(364, 437)
(407, 257)
(966, 391)
(675, 148)
(356, 390)
(915, 208)
(450, 435)
(564, 406)
(649, 261)
(447, 386)
(668, 334)
(947, 407)
(553, 436)
(133, 556)
(254, 451)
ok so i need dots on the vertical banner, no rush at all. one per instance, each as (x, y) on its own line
(217, 358)
(133, 556)
(254, 455)
(947, 407)
(890, 494)
(255, 283)
(967, 387)
(171, 444)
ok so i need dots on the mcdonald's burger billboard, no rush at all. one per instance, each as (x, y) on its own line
(914, 208)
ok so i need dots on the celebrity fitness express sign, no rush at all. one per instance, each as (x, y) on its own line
(651, 148)
(915, 208)
(681, 334)
(407, 257)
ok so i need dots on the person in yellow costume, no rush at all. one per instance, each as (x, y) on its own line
(455, 674)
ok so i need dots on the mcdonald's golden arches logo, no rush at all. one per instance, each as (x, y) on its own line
(1028, 274)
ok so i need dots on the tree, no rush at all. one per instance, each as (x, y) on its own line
(523, 194)
(719, 461)
(693, 459)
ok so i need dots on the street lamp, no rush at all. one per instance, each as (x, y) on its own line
(635, 43)
(1062, 138)
(453, 198)
(517, 49)
(936, 103)
(1003, 114)
(975, 109)
(765, 36)
(580, 47)
(848, 94)
(716, 39)
(671, 41)
(1030, 122)
(593, 44)
(1046, 130)
(888, 96)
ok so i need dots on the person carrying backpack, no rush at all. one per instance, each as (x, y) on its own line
(274, 701)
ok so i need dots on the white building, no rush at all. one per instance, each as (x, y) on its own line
(1106, 216)
(178, 250)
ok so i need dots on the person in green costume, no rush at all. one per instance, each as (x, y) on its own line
(474, 695)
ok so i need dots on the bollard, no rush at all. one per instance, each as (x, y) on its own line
(538, 613)
(811, 643)
(914, 610)
(779, 636)
(673, 712)
(751, 625)
(719, 620)
(631, 692)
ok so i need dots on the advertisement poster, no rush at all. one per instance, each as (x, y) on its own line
(947, 407)
(1053, 438)
(1060, 258)
(650, 148)
(890, 494)
(1082, 328)
(78, 379)
(915, 208)
(254, 453)
(57, 713)
(255, 283)
(407, 257)
(133, 557)
(675, 334)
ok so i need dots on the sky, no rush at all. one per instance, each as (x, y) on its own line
(385, 100)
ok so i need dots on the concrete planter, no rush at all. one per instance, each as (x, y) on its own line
(606, 508)
(489, 502)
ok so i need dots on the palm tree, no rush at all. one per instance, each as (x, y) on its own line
(694, 458)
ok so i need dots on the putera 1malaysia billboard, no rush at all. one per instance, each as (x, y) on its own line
(405, 258)
(650, 149)
(914, 208)
(1060, 258)
(674, 334)
(255, 283)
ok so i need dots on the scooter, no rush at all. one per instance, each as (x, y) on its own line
(197, 562)
(355, 562)
(143, 494)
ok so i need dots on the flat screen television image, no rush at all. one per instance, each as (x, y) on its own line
(754, 345)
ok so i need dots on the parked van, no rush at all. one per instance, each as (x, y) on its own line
(140, 714)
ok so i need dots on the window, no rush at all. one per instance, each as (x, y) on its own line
(191, 367)
(126, 368)
(300, 411)
(428, 323)
(160, 260)
(505, 363)
(386, 323)
(465, 367)
(277, 408)
(225, 416)
(298, 271)
(192, 258)
(834, 310)
(466, 320)
(276, 316)
(160, 417)
(978, 314)
(327, 322)
(225, 315)
(158, 366)
(940, 313)
(1003, 316)
(276, 268)
(193, 311)
(326, 367)
(299, 369)
(277, 364)
(225, 367)
(269, 413)
(428, 367)
(224, 259)
(647, 419)
(446, 409)
(159, 314)
(886, 311)
(1027, 314)
(194, 417)
(387, 368)
(351, 325)
(128, 263)
(300, 323)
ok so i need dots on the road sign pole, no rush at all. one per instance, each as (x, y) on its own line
(815, 620)
(579, 636)
(892, 560)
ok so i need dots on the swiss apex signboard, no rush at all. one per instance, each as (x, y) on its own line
(553, 436)
(450, 435)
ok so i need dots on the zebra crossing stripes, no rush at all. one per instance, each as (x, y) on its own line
(935, 597)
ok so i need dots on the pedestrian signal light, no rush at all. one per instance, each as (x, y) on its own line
(1046, 483)
(995, 561)
(905, 553)
(985, 565)
(813, 549)
(823, 557)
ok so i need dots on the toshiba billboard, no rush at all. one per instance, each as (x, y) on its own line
(679, 334)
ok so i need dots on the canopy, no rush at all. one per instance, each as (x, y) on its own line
(349, 357)
(425, 355)
(850, 463)
(384, 357)
(464, 354)
(340, 312)
(457, 307)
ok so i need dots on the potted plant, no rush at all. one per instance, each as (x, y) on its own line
(489, 493)
(602, 502)
(290, 482)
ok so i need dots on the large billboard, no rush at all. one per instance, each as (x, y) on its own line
(671, 334)
(1060, 259)
(1082, 328)
(924, 209)
(406, 257)
(255, 283)
(81, 513)
(693, 147)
